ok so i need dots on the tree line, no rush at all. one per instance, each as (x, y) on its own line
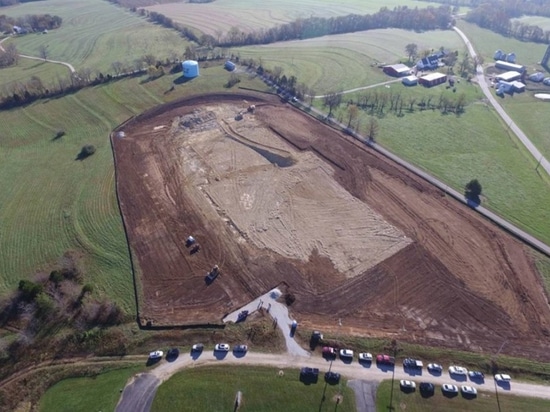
(430, 18)
(499, 19)
(30, 22)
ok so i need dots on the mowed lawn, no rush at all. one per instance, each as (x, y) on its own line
(98, 393)
(214, 388)
(485, 401)
(96, 33)
(52, 203)
(346, 61)
(542, 22)
(249, 15)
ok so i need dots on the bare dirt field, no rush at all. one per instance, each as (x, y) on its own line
(276, 198)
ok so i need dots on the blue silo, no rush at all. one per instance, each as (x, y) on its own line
(190, 68)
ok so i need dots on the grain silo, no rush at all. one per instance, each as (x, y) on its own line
(190, 68)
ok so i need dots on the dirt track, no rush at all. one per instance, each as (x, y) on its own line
(278, 198)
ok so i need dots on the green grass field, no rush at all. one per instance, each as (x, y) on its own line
(543, 22)
(98, 393)
(96, 33)
(25, 69)
(485, 401)
(53, 203)
(487, 42)
(214, 388)
(249, 15)
(346, 61)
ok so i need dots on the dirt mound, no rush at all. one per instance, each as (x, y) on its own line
(358, 240)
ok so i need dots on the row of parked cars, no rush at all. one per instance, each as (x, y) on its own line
(197, 348)
(428, 389)
(347, 355)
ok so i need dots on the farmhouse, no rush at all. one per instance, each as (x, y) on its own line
(508, 76)
(430, 62)
(410, 80)
(397, 70)
(432, 79)
(501, 64)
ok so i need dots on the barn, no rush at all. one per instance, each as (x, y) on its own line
(501, 64)
(397, 70)
(508, 76)
(432, 79)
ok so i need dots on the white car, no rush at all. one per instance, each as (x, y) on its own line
(365, 357)
(458, 370)
(346, 353)
(468, 390)
(156, 354)
(502, 377)
(221, 347)
(407, 384)
(435, 367)
(449, 388)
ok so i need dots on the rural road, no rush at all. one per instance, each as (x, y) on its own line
(140, 392)
(70, 66)
(502, 113)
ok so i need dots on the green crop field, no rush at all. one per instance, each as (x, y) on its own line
(249, 15)
(487, 42)
(263, 389)
(96, 33)
(543, 22)
(52, 203)
(98, 393)
(346, 61)
(485, 401)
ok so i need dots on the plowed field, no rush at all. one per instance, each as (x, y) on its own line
(275, 197)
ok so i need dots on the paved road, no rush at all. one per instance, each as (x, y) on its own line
(281, 318)
(138, 395)
(487, 91)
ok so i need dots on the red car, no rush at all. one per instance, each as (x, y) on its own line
(385, 359)
(329, 352)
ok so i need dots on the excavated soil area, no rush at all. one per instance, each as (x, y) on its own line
(276, 198)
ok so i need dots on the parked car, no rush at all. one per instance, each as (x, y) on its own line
(458, 370)
(427, 388)
(329, 352)
(468, 390)
(435, 367)
(172, 353)
(412, 363)
(405, 384)
(502, 377)
(346, 353)
(240, 348)
(365, 357)
(476, 375)
(221, 347)
(309, 373)
(385, 359)
(197, 347)
(156, 354)
(332, 377)
(449, 388)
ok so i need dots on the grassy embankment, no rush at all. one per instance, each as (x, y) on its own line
(485, 401)
(98, 393)
(263, 389)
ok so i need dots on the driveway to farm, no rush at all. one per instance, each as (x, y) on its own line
(140, 391)
(70, 66)
(502, 113)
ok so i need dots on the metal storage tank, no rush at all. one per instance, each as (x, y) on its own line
(190, 68)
